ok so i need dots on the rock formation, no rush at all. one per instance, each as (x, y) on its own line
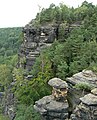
(87, 109)
(60, 89)
(86, 76)
(9, 101)
(55, 106)
(35, 39)
(65, 104)
(9, 104)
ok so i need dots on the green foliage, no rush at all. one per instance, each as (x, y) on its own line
(2, 117)
(28, 92)
(70, 54)
(62, 70)
(21, 88)
(67, 56)
(55, 14)
(83, 86)
(93, 67)
(26, 113)
(5, 75)
(10, 40)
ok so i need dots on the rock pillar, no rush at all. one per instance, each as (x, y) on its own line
(55, 106)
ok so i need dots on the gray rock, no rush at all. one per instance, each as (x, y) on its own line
(51, 109)
(89, 99)
(56, 106)
(35, 39)
(45, 100)
(86, 76)
(9, 104)
(94, 91)
(87, 109)
(29, 77)
(57, 83)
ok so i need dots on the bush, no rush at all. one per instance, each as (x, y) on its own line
(27, 113)
(83, 86)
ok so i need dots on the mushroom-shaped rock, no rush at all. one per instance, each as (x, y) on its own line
(60, 89)
(57, 83)
(94, 91)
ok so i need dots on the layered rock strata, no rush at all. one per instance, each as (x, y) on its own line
(67, 102)
(9, 105)
(87, 109)
(86, 76)
(35, 39)
(55, 106)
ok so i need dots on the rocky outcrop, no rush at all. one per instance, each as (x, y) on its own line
(9, 105)
(9, 101)
(87, 109)
(60, 89)
(86, 76)
(55, 106)
(58, 83)
(67, 102)
(35, 39)
(50, 109)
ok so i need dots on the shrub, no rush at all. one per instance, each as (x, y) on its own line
(83, 86)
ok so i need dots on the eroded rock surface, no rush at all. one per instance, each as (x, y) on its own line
(72, 106)
(89, 99)
(87, 109)
(50, 109)
(57, 83)
(9, 104)
(55, 106)
(35, 39)
(94, 91)
(86, 76)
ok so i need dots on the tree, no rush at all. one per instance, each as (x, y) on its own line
(5, 75)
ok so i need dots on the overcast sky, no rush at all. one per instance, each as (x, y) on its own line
(19, 12)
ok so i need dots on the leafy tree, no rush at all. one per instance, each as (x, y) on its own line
(5, 75)
(10, 40)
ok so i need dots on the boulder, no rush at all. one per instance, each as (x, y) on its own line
(86, 76)
(89, 99)
(94, 91)
(58, 83)
(51, 109)
(87, 109)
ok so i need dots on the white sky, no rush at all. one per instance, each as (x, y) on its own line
(19, 12)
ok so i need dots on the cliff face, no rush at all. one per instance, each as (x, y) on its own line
(35, 39)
